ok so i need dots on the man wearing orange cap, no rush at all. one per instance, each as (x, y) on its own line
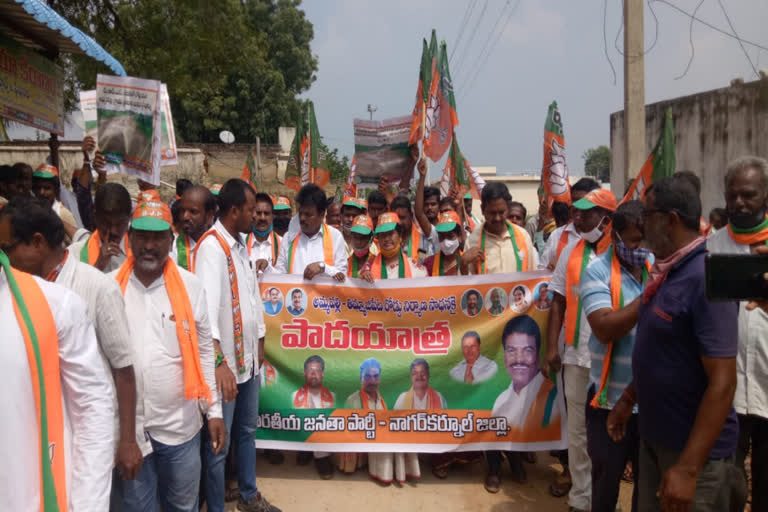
(350, 209)
(56, 435)
(47, 186)
(361, 236)
(592, 220)
(392, 262)
(282, 215)
(174, 362)
(451, 237)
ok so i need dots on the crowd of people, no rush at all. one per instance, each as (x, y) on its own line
(142, 332)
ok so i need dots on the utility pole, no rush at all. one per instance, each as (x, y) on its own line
(634, 90)
(372, 109)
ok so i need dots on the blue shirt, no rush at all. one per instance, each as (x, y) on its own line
(595, 293)
(675, 330)
(272, 310)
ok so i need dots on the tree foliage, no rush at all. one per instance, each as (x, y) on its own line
(228, 64)
(337, 167)
(597, 163)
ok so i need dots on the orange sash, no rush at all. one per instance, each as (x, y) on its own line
(275, 245)
(327, 248)
(752, 236)
(414, 242)
(366, 405)
(42, 346)
(353, 268)
(617, 302)
(237, 316)
(518, 245)
(437, 264)
(561, 244)
(378, 269)
(301, 400)
(90, 251)
(433, 399)
(577, 262)
(195, 386)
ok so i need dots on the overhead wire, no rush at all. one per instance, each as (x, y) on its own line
(491, 33)
(690, 40)
(464, 22)
(490, 51)
(605, 40)
(733, 29)
(468, 46)
(655, 29)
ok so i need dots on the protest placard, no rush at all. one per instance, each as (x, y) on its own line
(129, 125)
(381, 149)
(456, 361)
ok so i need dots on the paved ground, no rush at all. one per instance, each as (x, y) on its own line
(298, 488)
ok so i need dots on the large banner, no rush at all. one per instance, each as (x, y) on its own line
(409, 365)
(129, 125)
(381, 149)
(31, 88)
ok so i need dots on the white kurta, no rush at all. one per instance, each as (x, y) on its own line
(87, 407)
(515, 406)
(311, 250)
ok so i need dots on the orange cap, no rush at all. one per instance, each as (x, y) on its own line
(151, 216)
(46, 171)
(150, 194)
(447, 221)
(283, 203)
(215, 188)
(600, 197)
(362, 225)
(388, 221)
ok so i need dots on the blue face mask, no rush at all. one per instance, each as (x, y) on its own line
(263, 233)
(631, 257)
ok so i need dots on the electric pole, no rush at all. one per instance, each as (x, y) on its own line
(634, 90)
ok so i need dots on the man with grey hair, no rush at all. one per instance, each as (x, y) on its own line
(475, 367)
(746, 199)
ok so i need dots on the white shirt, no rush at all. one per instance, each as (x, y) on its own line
(752, 360)
(174, 254)
(211, 268)
(263, 250)
(579, 355)
(87, 408)
(418, 403)
(550, 249)
(106, 310)
(81, 238)
(482, 370)
(311, 250)
(315, 400)
(163, 411)
(515, 406)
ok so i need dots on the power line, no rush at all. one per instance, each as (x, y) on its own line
(464, 23)
(472, 37)
(728, 19)
(489, 36)
(655, 29)
(492, 48)
(713, 27)
(605, 40)
(690, 40)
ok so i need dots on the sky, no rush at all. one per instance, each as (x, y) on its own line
(369, 52)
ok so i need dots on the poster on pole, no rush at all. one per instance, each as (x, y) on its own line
(419, 365)
(129, 125)
(169, 155)
(381, 149)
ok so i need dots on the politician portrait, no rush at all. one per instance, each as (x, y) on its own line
(421, 395)
(313, 395)
(475, 367)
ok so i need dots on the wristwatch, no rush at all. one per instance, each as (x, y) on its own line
(322, 266)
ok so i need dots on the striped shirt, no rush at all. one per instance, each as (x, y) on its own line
(596, 294)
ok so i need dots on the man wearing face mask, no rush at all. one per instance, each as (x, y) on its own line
(451, 235)
(746, 198)
(263, 242)
(350, 209)
(592, 218)
(197, 207)
(611, 290)
(282, 215)
(361, 236)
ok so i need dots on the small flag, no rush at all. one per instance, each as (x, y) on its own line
(250, 169)
(660, 163)
(554, 171)
(351, 188)
(426, 71)
(441, 118)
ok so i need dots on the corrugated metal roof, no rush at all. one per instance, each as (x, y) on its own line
(35, 25)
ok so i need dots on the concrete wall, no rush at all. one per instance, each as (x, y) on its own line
(711, 129)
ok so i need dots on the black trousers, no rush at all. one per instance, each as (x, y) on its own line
(609, 458)
(754, 430)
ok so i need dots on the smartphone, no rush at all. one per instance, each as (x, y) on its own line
(732, 277)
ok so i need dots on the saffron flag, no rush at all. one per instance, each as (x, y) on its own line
(554, 171)
(441, 116)
(426, 71)
(459, 172)
(660, 163)
(307, 160)
(351, 187)
(293, 170)
(317, 164)
(250, 168)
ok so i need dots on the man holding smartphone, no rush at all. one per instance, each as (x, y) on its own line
(746, 198)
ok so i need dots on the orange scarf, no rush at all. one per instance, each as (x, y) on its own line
(366, 405)
(354, 268)
(437, 264)
(561, 244)
(518, 245)
(237, 316)
(327, 248)
(195, 386)
(91, 249)
(414, 242)
(42, 346)
(577, 262)
(617, 302)
(433, 399)
(378, 267)
(275, 245)
(301, 400)
(751, 236)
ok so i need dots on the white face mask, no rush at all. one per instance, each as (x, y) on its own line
(594, 235)
(449, 247)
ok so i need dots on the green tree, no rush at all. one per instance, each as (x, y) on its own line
(228, 64)
(338, 167)
(597, 163)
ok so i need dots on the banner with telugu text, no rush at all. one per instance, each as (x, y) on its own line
(419, 365)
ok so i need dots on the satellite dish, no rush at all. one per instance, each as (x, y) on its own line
(227, 137)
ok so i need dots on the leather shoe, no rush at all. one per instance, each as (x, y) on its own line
(492, 483)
